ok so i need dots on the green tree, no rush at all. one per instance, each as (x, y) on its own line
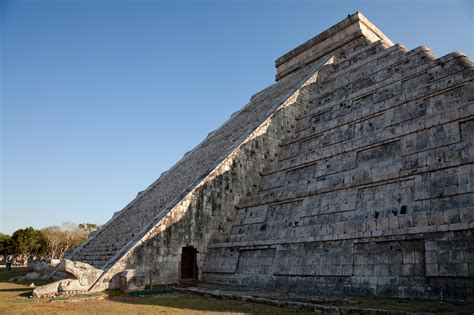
(28, 241)
(5, 244)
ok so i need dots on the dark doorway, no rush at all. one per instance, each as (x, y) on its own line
(188, 263)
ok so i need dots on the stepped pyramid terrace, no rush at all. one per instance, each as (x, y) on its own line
(351, 174)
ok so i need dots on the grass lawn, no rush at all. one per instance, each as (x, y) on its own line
(14, 300)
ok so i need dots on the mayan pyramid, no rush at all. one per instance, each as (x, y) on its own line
(352, 174)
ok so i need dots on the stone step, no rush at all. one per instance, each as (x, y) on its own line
(341, 92)
(346, 59)
(438, 84)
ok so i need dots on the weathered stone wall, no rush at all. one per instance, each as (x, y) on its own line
(373, 194)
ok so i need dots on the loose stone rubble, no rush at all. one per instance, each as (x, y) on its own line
(352, 174)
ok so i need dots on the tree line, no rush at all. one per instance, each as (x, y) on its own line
(48, 243)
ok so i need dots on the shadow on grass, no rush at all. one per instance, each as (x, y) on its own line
(6, 275)
(15, 290)
(199, 303)
(417, 306)
(26, 293)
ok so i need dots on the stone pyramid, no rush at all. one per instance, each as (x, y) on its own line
(352, 174)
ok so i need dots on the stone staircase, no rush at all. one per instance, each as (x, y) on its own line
(127, 225)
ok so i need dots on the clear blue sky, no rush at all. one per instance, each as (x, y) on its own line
(100, 97)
